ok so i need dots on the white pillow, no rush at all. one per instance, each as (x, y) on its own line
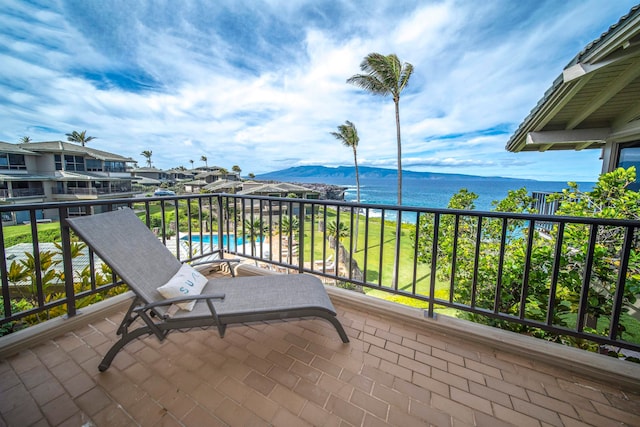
(187, 281)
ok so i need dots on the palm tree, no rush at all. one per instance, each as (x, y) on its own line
(337, 230)
(25, 139)
(289, 224)
(236, 169)
(386, 75)
(147, 155)
(79, 138)
(191, 161)
(255, 229)
(348, 135)
(204, 159)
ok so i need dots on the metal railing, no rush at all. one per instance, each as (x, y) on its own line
(92, 191)
(21, 192)
(574, 280)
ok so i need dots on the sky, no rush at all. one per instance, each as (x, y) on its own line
(262, 84)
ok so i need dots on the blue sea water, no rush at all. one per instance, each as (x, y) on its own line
(436, 193)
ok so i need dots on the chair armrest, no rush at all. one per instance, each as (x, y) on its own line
(179, 299)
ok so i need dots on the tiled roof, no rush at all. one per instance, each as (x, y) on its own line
(7, 147)
(71, 148)
(623, 24)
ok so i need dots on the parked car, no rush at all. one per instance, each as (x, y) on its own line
(164, 193)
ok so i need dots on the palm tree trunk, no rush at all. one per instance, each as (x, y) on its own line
(355, 161)
(394, 277)
(397, 102)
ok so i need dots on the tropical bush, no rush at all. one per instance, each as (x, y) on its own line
(495, 283)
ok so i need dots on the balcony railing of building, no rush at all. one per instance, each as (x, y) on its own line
(578, 280)
(21, 192)
(92, 191)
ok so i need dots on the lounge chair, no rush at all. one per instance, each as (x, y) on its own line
(122, 240)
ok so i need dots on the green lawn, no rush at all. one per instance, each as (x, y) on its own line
(379, 271)
(47, 232)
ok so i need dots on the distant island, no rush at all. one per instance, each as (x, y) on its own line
(421, 189)
(303, 173)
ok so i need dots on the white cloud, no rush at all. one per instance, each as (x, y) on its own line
(262, 87)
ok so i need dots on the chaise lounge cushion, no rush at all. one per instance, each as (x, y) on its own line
(186, 282)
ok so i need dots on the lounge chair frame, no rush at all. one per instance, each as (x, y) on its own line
(136, 255)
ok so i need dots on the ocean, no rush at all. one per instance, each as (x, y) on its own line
(436, 193)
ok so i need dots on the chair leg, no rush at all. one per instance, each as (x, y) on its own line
(336, 323)
(124, 340)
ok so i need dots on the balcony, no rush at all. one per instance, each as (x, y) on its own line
(81, 193)
(403, 366)
(21, 193)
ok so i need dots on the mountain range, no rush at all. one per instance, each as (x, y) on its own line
(304, 173)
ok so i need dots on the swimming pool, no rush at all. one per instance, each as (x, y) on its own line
(206, 239)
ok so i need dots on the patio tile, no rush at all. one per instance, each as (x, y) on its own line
(79, 384)
(298, 373)
(199, 417)
(93, 401)
(26, 412)
(59, 409)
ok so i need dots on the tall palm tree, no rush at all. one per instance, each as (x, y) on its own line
(79, 138)
(386, 75)
(204, 159)
(191, 161)
(348, 135)
(236, 169)
(147, 155)
(25, 139)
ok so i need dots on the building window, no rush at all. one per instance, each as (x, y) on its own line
(93, 165)
(74, 163)
(630, 156)
(114, 166)
(71, 163)
(12, 161)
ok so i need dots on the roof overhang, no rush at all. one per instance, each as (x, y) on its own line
(596, 99)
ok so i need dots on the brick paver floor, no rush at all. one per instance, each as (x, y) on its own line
(297, 373)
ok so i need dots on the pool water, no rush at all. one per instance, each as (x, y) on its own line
(206, 239)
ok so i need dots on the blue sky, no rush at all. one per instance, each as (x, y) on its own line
(261, 84)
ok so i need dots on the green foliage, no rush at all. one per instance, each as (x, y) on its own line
(17, 306)
(22, 234)
(26, 295)
(496, 282)
(289, 224)
(339, 230)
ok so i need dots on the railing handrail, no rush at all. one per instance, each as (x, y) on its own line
(414, 209)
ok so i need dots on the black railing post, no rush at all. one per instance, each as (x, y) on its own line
(622, 280)
(67, 263)
(551, 307)
(498, 296)
(476, 262)
(301, 223)
(36, 258)
(586, 280)
(222, 218)
(6, 295)
(524, 293)
(434, 261)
